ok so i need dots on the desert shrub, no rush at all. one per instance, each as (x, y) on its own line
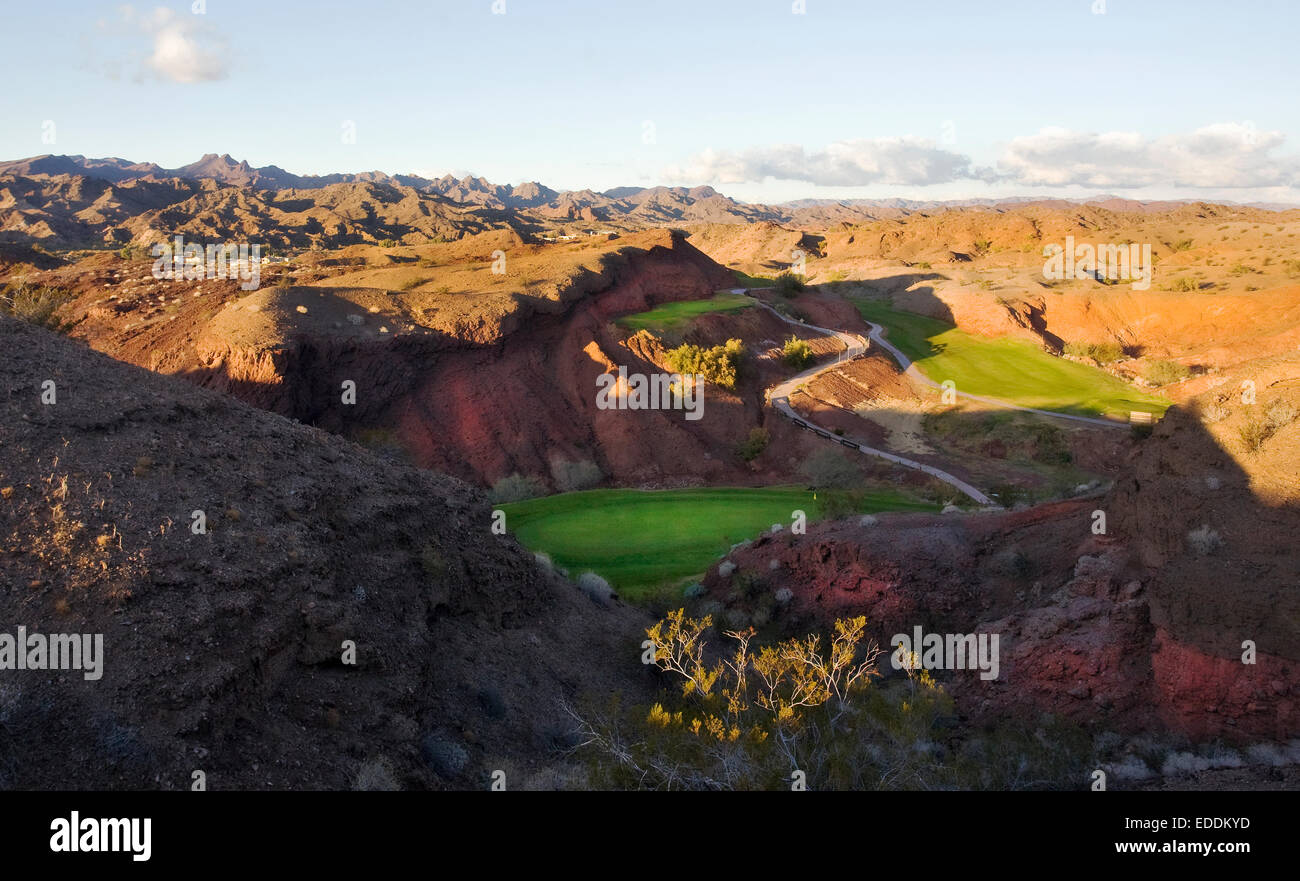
(571, 476)
(516, 488)
(1204, 540)
(797, 353)
(837, 276)
(837, 504)
(1102, 353)
(387, 243)
(1241, 269)
(1253, 432)
(35, 304)
(1009, 494)
(750, 716)
(1183, 284)
(1165, 372)
(828, 468)
(1215, 412)
(1279, 413)
(1049, 444)
(1182, 245)
(1292, 268)
(789, 283)
(719, 364)
(412, 283)
(753, 446)
(595, 587)
(375, 775)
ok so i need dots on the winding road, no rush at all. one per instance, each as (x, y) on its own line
(779, 397)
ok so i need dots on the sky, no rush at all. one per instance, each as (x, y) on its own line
(766, 100)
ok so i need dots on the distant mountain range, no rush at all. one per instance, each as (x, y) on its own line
(75, 201)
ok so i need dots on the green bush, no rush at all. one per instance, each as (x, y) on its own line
(797, 353)
(753, 446)
(1165, 372)
(719, 364)
(1102, 353)
(789, 283)
(828, 468)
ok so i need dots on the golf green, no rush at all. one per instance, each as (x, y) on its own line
(675, 316)
(1009, 369)
(639, 540)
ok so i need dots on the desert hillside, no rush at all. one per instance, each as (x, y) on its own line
(224, 651)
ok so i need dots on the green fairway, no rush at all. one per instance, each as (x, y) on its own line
(1009, 369)
(672, 317)
(639, 540)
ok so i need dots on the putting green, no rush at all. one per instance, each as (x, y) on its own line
(1009, 369)
(672, 317)
(640, 540)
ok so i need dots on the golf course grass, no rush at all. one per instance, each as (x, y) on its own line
(673, 317)
(641, 541)
(1009, 369)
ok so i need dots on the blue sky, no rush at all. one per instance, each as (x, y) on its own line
(853, 98)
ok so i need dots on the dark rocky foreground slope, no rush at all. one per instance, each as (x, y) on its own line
(223, 651)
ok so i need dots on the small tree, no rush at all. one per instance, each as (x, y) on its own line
(1165, 372)
(719, 364)
(789, 283)
(797, 353)
(753, 446)
(829, 469)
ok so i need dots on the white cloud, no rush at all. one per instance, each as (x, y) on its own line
(1230, 156)
(179, 53)
(159, 43)
(1224, 155)
(905, 161)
